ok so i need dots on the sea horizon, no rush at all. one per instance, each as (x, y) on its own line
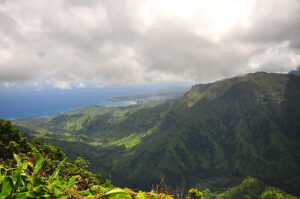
(25, 102)
(104, 103)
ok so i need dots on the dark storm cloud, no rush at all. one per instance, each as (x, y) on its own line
(134, 42)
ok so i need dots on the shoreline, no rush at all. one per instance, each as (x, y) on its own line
(105, 103)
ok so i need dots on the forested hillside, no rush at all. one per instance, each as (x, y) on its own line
(37, 170)
(219, 133)
(213, 137)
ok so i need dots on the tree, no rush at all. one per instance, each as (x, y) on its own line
(11, 141)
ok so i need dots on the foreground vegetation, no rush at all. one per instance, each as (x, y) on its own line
(28, 179)
(37, 170)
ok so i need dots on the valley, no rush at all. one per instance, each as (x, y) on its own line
(213, 136)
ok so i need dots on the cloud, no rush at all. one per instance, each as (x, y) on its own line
(81, 85)
(276, 58)
(62, 85)
(144, 41)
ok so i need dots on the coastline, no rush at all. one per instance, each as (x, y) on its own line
(108, 103)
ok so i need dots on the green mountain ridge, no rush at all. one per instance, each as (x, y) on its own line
(219, 133)
(214, 136)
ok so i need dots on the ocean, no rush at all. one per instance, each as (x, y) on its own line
(24, 102)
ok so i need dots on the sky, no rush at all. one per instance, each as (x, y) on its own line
(69, 43)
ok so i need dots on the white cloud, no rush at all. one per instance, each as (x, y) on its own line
(81, 85)
(276, 58)
(62, 85)
(142, 41)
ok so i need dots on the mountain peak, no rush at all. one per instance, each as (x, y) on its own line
(261, 83)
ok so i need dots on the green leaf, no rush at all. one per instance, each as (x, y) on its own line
(21, 195)
(38, 162)
(19, 162)
(117, 193)
(28, 194)
(84, 192)
(16, 178)
(55, 174)
(7, 187)
(72, 181)
(54, 190)
(44, 195)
